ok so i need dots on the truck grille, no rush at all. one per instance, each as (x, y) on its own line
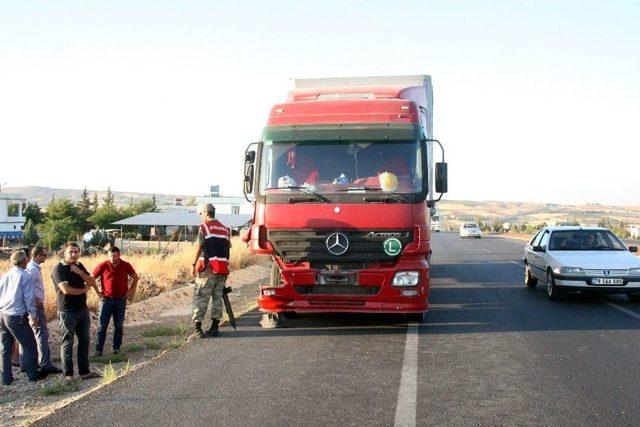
(310, 245)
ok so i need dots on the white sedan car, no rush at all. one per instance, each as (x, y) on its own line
(580, 259)
(470, 229)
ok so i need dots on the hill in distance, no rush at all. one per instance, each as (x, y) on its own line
(43, 195)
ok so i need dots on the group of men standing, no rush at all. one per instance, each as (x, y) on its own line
(22, 315)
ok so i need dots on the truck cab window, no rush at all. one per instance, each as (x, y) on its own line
(331, 167)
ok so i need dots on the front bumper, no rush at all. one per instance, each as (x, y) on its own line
(584, 284)
(470, 234)
(384, 298)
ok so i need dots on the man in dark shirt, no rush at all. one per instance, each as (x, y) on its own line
(72, 280)
(114, 276)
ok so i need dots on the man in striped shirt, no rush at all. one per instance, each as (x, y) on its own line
(41, 332)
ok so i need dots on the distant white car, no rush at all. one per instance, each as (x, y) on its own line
(470, 229)
(580, 259)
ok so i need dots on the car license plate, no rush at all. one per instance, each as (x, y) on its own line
(606, 281)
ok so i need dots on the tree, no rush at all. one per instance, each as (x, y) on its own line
(85, 210)
(33, 213)
(94, 202)
(108, 198)
(56, 232)
(142, 206)
(106, 215)
(30, 234)
(62, 222)
(155, 202)
(84, 204)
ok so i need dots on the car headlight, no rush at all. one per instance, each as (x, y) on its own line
(406, 278)
(634, 272)
(567, 271)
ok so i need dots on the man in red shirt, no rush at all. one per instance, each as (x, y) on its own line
(114, 275)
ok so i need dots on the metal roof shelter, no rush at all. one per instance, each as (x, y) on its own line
(177, 218)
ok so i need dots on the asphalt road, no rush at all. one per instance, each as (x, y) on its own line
(491, 352)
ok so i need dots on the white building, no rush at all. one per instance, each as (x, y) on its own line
(11, 225)
(226, 205)
(634, 230)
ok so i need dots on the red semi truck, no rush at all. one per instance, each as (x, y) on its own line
(343, 187)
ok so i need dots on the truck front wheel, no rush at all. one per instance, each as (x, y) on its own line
(275, 278)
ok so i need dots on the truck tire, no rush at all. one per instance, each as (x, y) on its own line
(529, 280)
(275, 278)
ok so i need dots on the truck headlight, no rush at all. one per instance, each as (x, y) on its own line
(568, 271)
(406, 278)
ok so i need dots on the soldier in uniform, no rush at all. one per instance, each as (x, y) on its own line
(210, 269)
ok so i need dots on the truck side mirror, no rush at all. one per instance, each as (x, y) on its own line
(249, 170)
(250, 157)
(441, 177)
(633, 249)
(248, 178)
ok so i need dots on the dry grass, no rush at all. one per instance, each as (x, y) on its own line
(158, 272)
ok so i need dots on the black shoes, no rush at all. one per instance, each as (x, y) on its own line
(42, 374)
(213, 330)
(52, 370)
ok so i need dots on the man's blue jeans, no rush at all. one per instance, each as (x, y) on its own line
(111, 307)
(18, 328)
(72, 324)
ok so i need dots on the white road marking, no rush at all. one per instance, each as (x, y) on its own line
(516, 262)
(622, 309)
(407, 394)
(486, 250)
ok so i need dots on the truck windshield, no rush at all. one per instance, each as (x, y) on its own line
(325, 167)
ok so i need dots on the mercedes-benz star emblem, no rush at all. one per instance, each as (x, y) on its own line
(337, 243)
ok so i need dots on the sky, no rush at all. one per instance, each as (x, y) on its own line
(533, 100)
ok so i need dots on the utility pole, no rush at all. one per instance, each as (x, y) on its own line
(1, 184)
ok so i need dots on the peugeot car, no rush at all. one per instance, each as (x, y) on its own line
(581, 259)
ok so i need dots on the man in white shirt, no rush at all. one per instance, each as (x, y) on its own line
(17, 304)
(41, 332)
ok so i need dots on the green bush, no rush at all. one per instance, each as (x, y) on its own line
(153, 344)
(59, 387)
(162, 331)
(132, 348)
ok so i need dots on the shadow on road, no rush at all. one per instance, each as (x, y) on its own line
(329, 324)
(485, 297)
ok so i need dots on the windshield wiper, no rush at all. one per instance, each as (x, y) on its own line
(386, 197)
(364, 188)
(305, 190)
